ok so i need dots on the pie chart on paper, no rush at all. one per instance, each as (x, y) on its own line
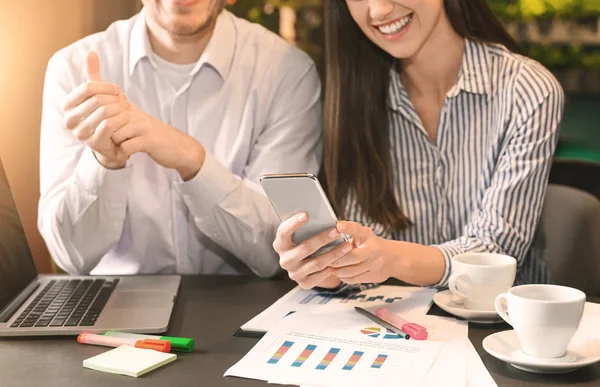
(376, 332)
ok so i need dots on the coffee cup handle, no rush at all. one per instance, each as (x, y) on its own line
(500, 308)
(452, 285)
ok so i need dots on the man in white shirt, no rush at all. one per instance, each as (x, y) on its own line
(155, 133)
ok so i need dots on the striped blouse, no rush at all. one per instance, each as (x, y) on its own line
(480, 188)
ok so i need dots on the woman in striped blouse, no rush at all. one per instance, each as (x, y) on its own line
(438, 141)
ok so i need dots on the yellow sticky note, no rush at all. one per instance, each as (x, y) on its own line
(128, 360)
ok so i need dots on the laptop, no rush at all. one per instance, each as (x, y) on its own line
(32, 304)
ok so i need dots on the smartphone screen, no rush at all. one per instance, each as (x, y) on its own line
(295, 193)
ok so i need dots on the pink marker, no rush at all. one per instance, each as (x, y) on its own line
(108, 341)
(415, 331)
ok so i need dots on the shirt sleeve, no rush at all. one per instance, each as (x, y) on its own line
(233, 210)
(82, 204)
(506, 220)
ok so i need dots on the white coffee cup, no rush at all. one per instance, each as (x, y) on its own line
(478, 278)
(545, 317)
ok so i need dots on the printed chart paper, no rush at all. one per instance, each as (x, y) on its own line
(345, 350)
(403, 300)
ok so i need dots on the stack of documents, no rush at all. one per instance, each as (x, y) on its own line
(327, 343)
(404, 300)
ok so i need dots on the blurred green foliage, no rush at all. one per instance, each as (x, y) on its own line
(541, 13)
(309, 20)
(526, 10)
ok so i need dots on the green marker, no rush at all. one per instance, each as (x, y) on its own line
(180, 344)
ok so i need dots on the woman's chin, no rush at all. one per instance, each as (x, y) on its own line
(404, 52)
(400, 50)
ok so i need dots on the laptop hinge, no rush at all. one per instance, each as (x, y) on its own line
(16, 303)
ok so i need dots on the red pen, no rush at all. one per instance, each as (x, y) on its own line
(415, 331)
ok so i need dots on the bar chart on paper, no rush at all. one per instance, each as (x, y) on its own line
(399, 299)
(378, 363)
(342, 349)
(280, 352)
(349, 358)
(325, 298)
(304, 355)
(354, 359)
(328, 359)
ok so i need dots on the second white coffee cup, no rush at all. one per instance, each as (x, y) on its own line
(545, 317)
(477, 278)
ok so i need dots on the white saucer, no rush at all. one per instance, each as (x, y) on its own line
(446, 301)
(506, 347)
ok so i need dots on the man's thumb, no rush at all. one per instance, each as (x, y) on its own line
(92, 67)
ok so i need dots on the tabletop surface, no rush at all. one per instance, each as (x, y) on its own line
(210, 309)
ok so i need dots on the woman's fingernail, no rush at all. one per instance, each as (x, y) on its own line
(302, 217)
(347, 248)
(341, 227)
(334, 233)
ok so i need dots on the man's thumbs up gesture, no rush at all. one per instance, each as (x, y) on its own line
(94, 111)
(99, 114)
(92, 67)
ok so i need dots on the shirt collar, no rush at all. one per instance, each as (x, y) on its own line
(398, 97)
(475, 71)
(474, 75)
(139, 43)
(221, 48)
(218, 53)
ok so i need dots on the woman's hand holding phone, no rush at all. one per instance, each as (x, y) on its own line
(367, 258)
(371, 260)
(308, 271)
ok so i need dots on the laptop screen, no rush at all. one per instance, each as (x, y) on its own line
(17, 269)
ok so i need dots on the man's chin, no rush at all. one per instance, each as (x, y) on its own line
(184, 29)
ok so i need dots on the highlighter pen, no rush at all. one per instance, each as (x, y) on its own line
(415, 331)
(181, 344)
(107, 341)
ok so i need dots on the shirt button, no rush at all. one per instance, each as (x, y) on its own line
(438, 173)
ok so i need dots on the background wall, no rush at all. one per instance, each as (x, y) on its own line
(30, 32)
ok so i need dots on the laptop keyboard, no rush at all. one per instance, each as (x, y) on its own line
(67, 303)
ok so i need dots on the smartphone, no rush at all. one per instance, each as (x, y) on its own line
(291, 194)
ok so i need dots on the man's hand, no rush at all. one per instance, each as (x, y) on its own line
(166, 145)
(94, 111)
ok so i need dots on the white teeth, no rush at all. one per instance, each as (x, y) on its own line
(394, 28)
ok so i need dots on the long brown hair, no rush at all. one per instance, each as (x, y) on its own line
(356, 136)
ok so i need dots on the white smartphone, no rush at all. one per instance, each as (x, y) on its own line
(291, 194)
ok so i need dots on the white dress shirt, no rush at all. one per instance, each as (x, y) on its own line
(177, 75)
(252, 101)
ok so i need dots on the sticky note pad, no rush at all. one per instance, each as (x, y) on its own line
(129, 360)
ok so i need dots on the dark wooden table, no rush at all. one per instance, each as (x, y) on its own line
(210, 309)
